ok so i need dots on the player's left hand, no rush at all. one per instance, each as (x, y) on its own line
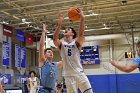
(45, 28)
(60, 18)
(80, 12)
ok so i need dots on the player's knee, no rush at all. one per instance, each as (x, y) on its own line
(88, 91)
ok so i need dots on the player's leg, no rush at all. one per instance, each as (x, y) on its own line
(52, 91)
(43, 91)
(71, 84)
(84, 84)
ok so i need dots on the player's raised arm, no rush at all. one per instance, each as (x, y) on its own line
(42, 58)
(124, 68)
(57, 31)
(81, 28)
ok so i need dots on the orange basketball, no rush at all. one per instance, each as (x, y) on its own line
(73, 14)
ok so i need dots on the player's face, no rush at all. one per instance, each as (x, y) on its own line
(32, 75)
(49, 54)
(68, 33)
(138, 50)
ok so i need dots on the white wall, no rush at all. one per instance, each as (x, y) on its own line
(119, 47)
(106, 68)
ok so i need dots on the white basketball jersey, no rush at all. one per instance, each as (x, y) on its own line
(33, 85)
(70, 55)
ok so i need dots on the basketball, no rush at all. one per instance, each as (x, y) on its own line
(73, 14)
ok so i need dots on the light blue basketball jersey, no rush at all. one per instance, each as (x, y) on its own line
(137, 61)
(48, 75)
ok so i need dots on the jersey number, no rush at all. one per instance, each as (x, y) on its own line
(69, 52)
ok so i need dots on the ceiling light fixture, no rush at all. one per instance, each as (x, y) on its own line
(48, 32)
(37, 28)
(4, 22)
(92, 14)
(104, 28)
(23, 20)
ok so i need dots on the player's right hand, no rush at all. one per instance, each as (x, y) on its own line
(45, 28)
(61, 18)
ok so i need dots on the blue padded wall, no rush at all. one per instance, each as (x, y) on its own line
(115, 83)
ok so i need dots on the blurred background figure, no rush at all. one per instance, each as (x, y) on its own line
(1, 87)
(56, 89)
(32, 82)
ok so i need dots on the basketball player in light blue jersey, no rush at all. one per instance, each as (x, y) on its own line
(47, 66)
(70, 53)
(133, 66)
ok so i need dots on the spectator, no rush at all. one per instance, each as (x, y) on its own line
(32, 82)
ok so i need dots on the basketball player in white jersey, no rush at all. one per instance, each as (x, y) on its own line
(33, 82)
(70, 53)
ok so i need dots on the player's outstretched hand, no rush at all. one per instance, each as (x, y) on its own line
(45, 28)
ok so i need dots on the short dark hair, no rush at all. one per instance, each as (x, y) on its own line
(74, 32)
(47, 50)
(138, 43)
(32, 72)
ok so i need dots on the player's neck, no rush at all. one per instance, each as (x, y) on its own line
(49, 59)
(32, 77)
(69, 40)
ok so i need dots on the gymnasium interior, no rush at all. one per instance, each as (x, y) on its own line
(112, 29)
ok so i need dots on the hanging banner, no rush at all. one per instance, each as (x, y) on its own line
(23, 58)
(7, 30)
(17, 56)
(5, 78)
(5, 53)
(21, 79)
(29, 39)
(19, 35)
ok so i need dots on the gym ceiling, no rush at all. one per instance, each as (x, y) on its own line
(101, 16)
